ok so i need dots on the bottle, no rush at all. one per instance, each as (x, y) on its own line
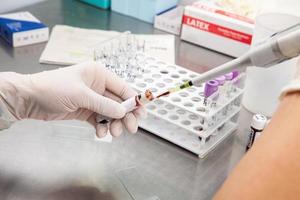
(258, 124)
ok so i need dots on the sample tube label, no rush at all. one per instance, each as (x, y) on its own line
(254, 134)
(257, 125)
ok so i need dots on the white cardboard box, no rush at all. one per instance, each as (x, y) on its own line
(22, 28)
(217, 29)
(170, 21)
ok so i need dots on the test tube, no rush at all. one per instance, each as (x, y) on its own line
(227, 87)
(130, 104)
(210, 93)
(258, 124)
(119, 55)
(235, 80)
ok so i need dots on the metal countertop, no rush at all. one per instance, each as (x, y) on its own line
(61, 160)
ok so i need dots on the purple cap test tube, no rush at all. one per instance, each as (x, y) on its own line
(210, 87)
(229, 76)
(221, 80)
(235, 73)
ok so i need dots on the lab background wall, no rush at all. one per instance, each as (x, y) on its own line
(8, 5)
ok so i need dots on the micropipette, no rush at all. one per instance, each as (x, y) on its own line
(273, 51)
(278, 48)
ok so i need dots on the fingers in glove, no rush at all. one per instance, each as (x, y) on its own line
(100, 104)
(116, 128)
(113, 83)
(112, 96)
(118, 86)
(140, 112)
(130, 122)
(101, 129)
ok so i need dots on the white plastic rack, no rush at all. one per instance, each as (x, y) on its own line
(181, 118)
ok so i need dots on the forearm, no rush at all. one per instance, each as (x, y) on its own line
(271, 169)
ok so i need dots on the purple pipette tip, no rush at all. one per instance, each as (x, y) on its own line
(210, 87)
(235, 73)
(221, 80)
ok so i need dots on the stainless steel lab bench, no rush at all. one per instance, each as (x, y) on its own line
(61, 160)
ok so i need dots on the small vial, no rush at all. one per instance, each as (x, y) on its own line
(210, 88)
(211, 95)
(235, 80)
(227, 91)
(131, 104)
(258, 124)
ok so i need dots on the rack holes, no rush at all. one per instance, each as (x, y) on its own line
(151, 107)
(183, 94)
(164, 72)
(142, 85)
(175, 76)
(182, 72)
(149, 80)
(181, 112)
(162, 112)
(160, 85)
(168, 80)
(196, 99)
(169, 107)
(193, 117)
(188, 104)
(158, 102)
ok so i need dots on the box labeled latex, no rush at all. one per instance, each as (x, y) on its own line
(217, 29)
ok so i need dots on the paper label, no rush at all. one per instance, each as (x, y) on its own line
(217, 29)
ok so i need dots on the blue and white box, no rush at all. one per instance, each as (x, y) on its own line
(22, 28)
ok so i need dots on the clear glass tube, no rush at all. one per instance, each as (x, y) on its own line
(120, 55)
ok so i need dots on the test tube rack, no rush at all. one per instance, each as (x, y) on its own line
(180, 117)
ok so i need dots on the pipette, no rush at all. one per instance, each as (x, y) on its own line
(273, 51)
(280, 47)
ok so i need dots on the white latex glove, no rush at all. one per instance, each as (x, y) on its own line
(294, 85)
(77, 92)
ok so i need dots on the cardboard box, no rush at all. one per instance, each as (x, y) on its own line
(22, 28)
(170, 21)
(217, 29)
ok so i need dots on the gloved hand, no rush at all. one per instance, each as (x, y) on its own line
(294, 85)
(78, 92)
